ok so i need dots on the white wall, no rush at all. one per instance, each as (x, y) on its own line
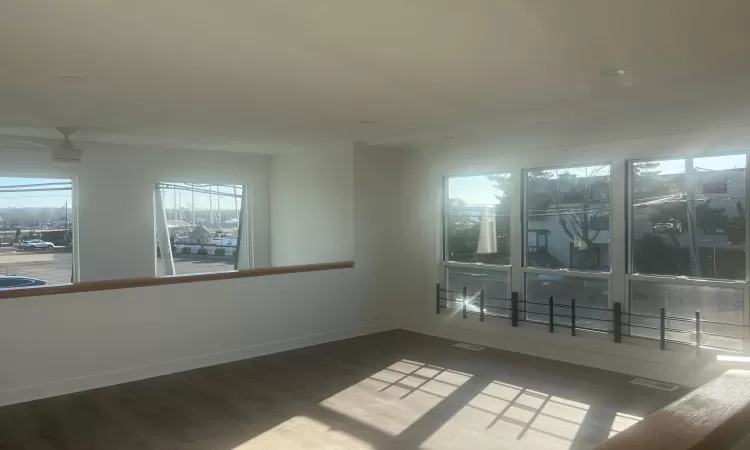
(63, 343)
(114, 195)
(422, 174)
(312, 205)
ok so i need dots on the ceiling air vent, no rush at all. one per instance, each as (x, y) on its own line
(653, 384)
(466, 346)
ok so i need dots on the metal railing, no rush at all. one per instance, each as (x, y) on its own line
(475, 303)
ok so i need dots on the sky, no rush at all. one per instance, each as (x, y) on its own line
(478, 190)
(184, 198)
(48, 199)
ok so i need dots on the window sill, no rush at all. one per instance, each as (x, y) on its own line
(92, 286)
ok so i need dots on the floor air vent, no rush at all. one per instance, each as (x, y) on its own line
(654, 384)
(466, 346)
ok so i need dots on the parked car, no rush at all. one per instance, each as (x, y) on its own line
(7, 282)
(36, 243)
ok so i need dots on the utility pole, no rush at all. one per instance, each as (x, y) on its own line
(236, 210)
(210, 205)
(693, 244)
(218, 204)
(66, 224)
(174, 202)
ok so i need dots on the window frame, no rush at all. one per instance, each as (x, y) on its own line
(245, 228)
(620, 275)
(525, 220)
(444, 217)
(74, 189)
(631, 275)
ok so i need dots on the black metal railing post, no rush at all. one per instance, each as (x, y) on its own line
(464, 302)
(572, 317)
(481, 305)
(617, 321)
(437, 299)
(514, 309)
(662, 326)
(697, 332)
(551, 314)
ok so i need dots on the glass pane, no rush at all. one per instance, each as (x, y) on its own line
(688, 217)
(567, 213)
(494, 283)
(477, 219)
(681, 300)
(204, 224)
(36, 231)
(588, 292)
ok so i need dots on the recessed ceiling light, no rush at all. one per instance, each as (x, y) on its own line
(367, 122)
(448, 138)
(613, 72)
(72, 78)
(544, 122)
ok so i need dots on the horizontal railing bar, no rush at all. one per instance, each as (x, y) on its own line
(676, 330)
(594, 329)
(716, 322)
(641, 315)
(535, 303)
(592, 318)
(720, 335)
(594, 308)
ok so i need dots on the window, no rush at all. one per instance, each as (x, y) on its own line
(688, 220)
(477, 219)
(205, 226)
(717, 304)
(588, 292)
(688, 217)
(36, 231)
(568, 207)
(495, 283)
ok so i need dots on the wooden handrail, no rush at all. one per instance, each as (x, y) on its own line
(715, 416)
(90, 286)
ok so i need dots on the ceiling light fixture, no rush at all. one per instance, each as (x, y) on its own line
(448, 138)
(544, 122)
(367, 122)
(613, 72)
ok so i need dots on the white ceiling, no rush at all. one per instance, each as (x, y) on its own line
(313, 69)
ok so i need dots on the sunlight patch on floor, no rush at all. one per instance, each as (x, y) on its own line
(303, 432)
(508, 416)
(622, 422)
(395, 397)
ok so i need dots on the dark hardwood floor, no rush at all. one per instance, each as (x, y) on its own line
(392, 390)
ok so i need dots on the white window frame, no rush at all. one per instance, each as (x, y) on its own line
(446, 264)
(681, 279)
(74, 189)
(245, 218)
(592, 274)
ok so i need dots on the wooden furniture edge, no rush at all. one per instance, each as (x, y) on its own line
(91, 286)
(713, 416)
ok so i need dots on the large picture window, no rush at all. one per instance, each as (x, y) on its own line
(567, 218)
(477, 219)
(688, 217)
(203, 225)
(688, 220)
(36, 232)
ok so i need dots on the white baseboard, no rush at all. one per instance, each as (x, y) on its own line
(93, 381)
(671, 366)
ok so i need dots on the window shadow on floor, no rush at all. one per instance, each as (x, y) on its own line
(389, 390)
